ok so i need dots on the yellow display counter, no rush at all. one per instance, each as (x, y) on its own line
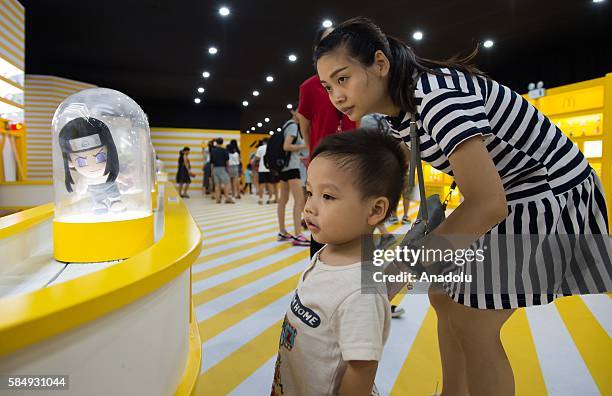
(125, 328)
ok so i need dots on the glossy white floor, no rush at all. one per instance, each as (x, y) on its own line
(242, 285)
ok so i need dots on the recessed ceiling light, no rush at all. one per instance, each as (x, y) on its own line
(206, 74)
(327, 23)
(245, 103)
(290, 106)
(266, 119)
(488, 43)
(271, 132)
(197, 100)
(292, 58)
(212, 50)
(598, 1)
(255, 93)
(248, 131)
(259, 124)
(417, 35)
(269, 78)
(201, 90)
(278, 129)
(224, 11)
(252, 128)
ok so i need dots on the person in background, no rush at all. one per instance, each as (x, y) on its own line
(219, 159)
(254, 168)
(234, 170)
(207, 180)
(318, 117)
(290, 182)
(266, 179)
(248, 178)
(233, 143)
(184, 174)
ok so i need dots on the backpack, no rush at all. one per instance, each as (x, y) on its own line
(276, 158)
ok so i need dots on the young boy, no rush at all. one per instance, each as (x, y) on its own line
(333, 333)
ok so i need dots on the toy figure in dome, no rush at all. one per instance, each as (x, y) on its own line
(87, 147)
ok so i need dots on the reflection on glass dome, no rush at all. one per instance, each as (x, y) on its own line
(101, 158)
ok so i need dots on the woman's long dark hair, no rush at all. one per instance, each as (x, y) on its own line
(181, 160)
(233, 143)
(362, 38)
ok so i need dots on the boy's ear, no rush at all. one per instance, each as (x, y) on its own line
(378, 210)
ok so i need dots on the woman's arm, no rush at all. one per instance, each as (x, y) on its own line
(289, 146)
(358, 379)
(484, 204)
(304, 129)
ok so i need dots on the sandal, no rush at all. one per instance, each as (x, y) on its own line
(300, 240)
(282, 237)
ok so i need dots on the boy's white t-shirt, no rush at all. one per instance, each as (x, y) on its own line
(261, 151)
(329, 322)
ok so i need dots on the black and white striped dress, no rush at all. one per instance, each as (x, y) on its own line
(550, 187)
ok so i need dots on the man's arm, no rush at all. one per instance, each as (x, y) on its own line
(358, 379)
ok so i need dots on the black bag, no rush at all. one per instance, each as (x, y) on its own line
(276, 158)
(431, 210)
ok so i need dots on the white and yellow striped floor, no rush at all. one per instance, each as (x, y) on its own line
(242, 285)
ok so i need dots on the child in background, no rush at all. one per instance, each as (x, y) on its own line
(248, 180)
(333, 333)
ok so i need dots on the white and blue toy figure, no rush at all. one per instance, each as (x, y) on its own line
(102, 175)
(88, 148)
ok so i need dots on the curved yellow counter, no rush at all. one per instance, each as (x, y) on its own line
(128, 328)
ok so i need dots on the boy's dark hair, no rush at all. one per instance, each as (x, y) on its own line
(378, 161)
(219, 141)
(361, 38)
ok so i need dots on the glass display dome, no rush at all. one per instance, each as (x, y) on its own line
(102, 174)
(101, 158)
